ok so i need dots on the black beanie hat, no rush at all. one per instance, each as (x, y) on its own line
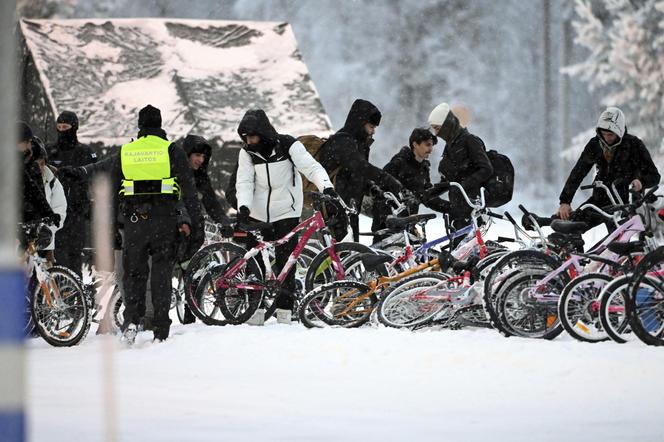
(68, 117)
(149, 117)
(24, 132)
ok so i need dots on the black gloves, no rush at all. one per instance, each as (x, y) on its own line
(330, 192)
(227, 230)
(77, 173)
(52, 220)
(243, 215)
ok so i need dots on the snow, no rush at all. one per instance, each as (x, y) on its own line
(288, 383)
(201, 73)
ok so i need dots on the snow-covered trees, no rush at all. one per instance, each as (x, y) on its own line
(625, 41)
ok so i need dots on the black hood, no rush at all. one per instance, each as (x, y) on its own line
(68, 138)
(361, 112)
(255, 122)
(197, 144)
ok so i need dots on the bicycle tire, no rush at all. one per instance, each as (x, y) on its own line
(505, 268)
(320, 304)
(321, 271)
(646, 306)
(417, 311)
(616, 323)
(578, 307)
(546, 326)
(75, 307)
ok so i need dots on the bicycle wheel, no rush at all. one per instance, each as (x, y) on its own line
(507, 267)
(60, 309)
(578, 307)
(613, 309)
(528, 312)
(321, 270)
(231, 305)
(646, 306)
(209, 256)
(340, 303)
(416, 300)
(214, 257)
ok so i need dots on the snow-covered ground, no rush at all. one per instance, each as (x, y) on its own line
(288, 383)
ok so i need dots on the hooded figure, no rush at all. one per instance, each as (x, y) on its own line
(464, 161)
(194, 144)
(269, 189)
(34, 203)
(68, 152)
(348, 151)
(619, 158)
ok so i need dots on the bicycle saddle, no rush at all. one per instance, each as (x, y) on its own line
(395, 223)
(374, 262)
(626, 248)
(569, 227)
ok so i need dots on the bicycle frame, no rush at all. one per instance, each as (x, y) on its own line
(573, 265)
(310, 226)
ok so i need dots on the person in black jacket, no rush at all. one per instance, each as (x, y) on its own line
(198, 152)
(411, 167)
(68, 152)
(153, 215)
(619, 158)
(348, 152)
(34, 204)
(464, 161)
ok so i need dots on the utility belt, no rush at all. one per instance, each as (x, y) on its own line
(134, 212)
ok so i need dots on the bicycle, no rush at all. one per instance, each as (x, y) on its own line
(230, 292)
(59, 309)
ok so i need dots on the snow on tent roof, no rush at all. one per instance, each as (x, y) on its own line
(202, 74)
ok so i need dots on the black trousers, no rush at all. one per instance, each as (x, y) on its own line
(69, 242)
(280, 228)
(156, 238)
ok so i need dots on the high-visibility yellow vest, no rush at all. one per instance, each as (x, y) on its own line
(146, 167)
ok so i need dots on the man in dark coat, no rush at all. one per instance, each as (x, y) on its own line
(348, 151)
(153, 213)
(411, 167)
(199, 152)
(67, 151)
(464, 161)
(619, 158)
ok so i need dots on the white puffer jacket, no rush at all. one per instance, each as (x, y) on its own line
(55, 195)
(272, 187)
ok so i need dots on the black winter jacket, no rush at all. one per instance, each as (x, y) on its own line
(34, 204)
(349, 148)
(210, 201)
(631, 160)
(73, 154)
(466, 162)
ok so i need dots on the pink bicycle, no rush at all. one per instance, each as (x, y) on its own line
(234, 287)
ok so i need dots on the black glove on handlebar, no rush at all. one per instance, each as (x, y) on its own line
(243, 215)
(227, 230)
(330, 192)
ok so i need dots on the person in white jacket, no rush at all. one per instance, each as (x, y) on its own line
(55, 195)
(269, 189)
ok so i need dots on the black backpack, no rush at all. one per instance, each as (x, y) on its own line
(500, 186)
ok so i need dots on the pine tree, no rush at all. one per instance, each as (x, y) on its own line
(626, 47)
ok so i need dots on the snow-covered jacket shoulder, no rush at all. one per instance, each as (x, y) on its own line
(55, 195)
(272, 187)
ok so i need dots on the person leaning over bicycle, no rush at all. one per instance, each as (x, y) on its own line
(411, 167)
(619, 157)
(269, 189)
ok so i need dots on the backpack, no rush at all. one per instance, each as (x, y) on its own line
(313, 144)
(501, 184)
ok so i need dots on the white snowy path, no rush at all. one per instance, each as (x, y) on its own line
(289, 383)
